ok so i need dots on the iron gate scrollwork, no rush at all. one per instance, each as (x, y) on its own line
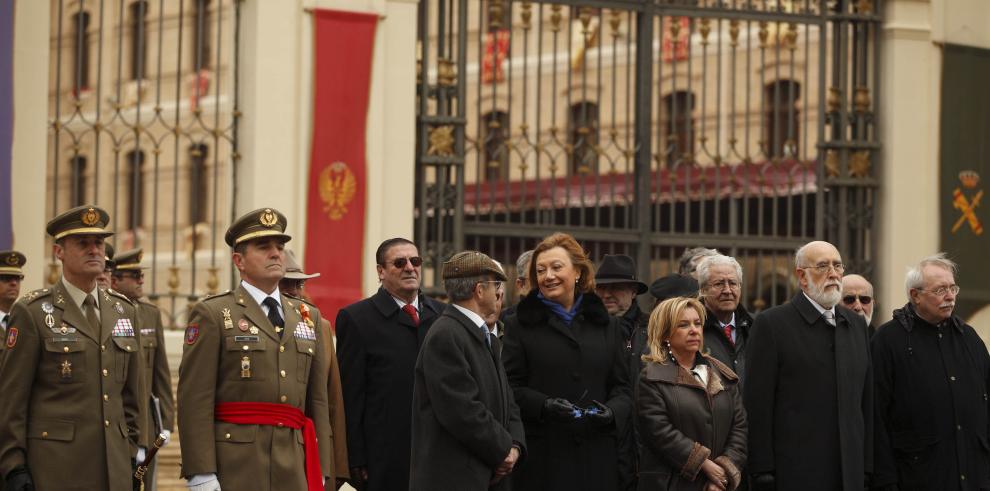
(645, 128)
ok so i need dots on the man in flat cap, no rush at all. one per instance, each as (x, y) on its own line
(128, 279)
(293, 285)
(11, 276)
(466, 431)
(71, 375)
(252, 395)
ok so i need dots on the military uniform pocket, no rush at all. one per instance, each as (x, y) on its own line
(245, 358)
(68, 360)
(52, 429)
(126, 347)
(235, 433)
(306, 351)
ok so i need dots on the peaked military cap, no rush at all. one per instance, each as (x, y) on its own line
(471, 263)
(11, 263)
(129, 260)
(81, 220)
(264, 222)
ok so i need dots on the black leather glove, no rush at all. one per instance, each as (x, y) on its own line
(600, 414)
(559, 409)
(764, 482)
(19, 479)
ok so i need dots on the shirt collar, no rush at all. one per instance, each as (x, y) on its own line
(78, 296)
(260, 296)
(819, 308)
(402, 303)
(732, 322)
(478, 321)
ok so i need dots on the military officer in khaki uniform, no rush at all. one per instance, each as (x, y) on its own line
(128, 280)
(71, 375)
(253, 380)
(11, 276)
(293, 284)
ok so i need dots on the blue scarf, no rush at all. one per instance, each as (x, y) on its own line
(565, 315)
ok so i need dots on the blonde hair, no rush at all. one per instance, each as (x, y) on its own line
(663, 320)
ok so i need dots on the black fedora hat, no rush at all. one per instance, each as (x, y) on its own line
(674, 285)
(619, 268)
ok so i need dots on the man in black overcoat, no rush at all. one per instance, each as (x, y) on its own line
(378, 340)
(932, 375)
(808, 388)
(466, 431)
(727, 321)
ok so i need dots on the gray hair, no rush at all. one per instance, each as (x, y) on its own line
(800, 255)
(522, 264)
(690, 254)
(461, 289)
(914, 279)
(707, 263)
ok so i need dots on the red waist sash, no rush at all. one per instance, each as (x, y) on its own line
(272, 414)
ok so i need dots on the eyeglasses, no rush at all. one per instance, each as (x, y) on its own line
(721, 285)
(496, 283)
(941, 291)
(9, 277)
(823, 268)
(400, 262)
(851, 299)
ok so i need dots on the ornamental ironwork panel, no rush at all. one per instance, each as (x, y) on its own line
(143, 122)
(646, 128)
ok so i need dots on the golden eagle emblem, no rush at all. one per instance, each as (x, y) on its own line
(337, 188)
(90, 217)
(268, 218)
(12, 260)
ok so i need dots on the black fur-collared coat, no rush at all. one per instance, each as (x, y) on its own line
(582, 362)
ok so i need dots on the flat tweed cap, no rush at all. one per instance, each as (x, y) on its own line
(81, 220)
(471, 263)
(263, 222)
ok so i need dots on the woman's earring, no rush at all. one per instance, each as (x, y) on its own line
(670, 352)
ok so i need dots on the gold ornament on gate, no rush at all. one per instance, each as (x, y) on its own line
(268, 218)
(337, 188)
(90, 217)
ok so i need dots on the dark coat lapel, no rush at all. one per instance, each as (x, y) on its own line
(805, 309)
(477, 335)
(71, 314)
(254, 313)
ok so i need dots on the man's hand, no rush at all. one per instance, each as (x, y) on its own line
(19, 479)
(204, 482)
(559, 409)
(168, 437)
(505, 468)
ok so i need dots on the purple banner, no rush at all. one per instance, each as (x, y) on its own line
(6, 120)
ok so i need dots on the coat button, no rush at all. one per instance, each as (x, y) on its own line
(283, 398)
(282, 373)
(128, 348)
(105, 372)
(962, 477)
(106, 422)
(65, 349)
(281, 349)
(576, 376)
(44, 434)
(106, 397)
(952, 378)
(245, 347)
(281, 425)
(227, 436)
(103, 347)
(310, 350)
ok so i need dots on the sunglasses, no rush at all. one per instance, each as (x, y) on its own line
(137, 275)
(400, 262)
(851, 299)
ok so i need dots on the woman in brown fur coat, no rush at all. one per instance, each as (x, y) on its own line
(689, 410)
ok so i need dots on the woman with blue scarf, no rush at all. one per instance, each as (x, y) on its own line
(564, 358)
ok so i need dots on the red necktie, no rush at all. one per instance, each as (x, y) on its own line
(409, 309)
(728, 333)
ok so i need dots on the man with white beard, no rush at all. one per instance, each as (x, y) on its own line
(808, 388)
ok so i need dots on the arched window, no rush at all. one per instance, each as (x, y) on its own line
(783, 118)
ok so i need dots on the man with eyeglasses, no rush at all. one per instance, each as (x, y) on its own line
(127, 278)
(378, 340)
(808, 390)
(466, 429)
(727, 323)
(932, 374)
(857, 295)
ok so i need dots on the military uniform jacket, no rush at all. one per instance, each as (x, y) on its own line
(69, 410)
(233, 354)
(157, 377)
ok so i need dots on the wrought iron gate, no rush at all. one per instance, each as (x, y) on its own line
(143, 122)
(647, 127)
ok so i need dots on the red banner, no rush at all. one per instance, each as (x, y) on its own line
(344, 42)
